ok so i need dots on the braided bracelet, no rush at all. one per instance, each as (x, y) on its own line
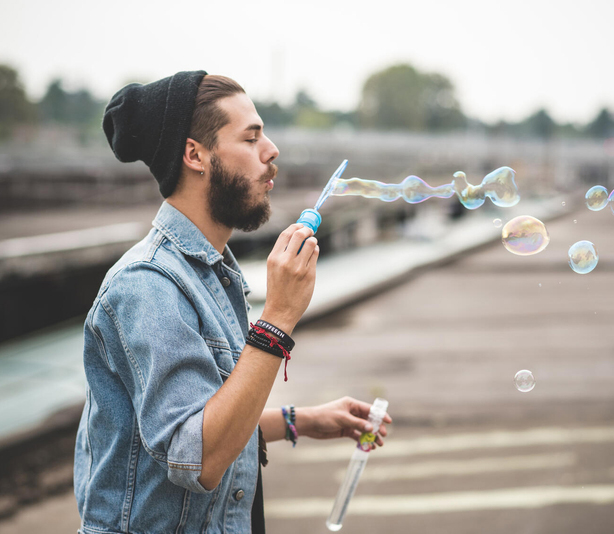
(284, 338)
(290, 418)
(254, 338)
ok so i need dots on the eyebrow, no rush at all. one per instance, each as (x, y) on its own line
(254, 127)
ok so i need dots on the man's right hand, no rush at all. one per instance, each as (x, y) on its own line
(291, 277)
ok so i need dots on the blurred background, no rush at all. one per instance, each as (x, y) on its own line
(417, 303)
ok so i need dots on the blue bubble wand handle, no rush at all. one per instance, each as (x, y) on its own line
(357, 465)
(311, 217)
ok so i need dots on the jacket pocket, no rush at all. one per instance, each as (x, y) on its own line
(225, 359)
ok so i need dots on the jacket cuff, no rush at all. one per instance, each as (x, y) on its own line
(185, 454)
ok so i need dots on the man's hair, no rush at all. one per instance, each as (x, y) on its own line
(208, 117)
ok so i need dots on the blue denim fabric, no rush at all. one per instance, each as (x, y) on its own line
(164, 332)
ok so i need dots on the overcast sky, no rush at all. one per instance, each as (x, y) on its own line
(506, 59)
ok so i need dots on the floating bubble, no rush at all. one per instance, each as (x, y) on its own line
(611, 200)
(499, 186)
(524, 381)
(563, 203)
(596, 198)
(525, 235)
(540, 284)
(575, 221)
(583, 257)
(497, 223)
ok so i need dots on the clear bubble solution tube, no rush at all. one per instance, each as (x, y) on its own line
(356, 467)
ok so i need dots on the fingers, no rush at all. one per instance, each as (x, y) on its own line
(284, 238)
(298, 237)
(361, 409)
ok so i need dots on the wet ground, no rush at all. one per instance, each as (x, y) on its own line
(468, 452)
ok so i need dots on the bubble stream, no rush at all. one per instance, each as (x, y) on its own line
(499, 186)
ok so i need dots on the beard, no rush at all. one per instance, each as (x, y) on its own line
(229, 198)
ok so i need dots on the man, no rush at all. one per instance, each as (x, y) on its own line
(168, 440)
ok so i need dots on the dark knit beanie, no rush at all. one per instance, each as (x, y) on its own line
(152, 122)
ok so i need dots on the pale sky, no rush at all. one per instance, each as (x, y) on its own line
(506, 59)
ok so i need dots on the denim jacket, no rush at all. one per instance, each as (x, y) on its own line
(163, 334)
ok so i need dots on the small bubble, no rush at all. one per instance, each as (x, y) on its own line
(595, 313)
(539, 284)
(575, 221)
(524, 381)
(583, 257)
(563, 203)
(497, 223)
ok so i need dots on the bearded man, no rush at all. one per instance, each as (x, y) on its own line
(177, 381)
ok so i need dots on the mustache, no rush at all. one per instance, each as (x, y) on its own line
(270, 174)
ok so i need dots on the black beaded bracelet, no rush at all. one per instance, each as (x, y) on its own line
(284, 338)
(258, 338)
(275, 351)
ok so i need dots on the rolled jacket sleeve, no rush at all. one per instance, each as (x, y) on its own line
(165, 365)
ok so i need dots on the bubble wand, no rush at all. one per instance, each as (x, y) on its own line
(311, 217)
(357, 466)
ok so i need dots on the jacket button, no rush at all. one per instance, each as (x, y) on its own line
(239, 495)
(225, 281)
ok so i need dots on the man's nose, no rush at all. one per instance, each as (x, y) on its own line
(271, 152)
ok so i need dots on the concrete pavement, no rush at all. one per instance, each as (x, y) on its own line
(443, 349)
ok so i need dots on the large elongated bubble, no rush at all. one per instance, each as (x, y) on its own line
(499, 186)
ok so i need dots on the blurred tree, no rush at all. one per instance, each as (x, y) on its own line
(403, 97)
(602, 126)
(307, 113)
(79, 108)
(539, 124)
(302, 100)
(273, 114)
(15, 108)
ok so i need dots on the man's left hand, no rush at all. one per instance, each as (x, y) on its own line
(345, 417)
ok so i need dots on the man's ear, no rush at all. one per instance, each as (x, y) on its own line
(196, 157)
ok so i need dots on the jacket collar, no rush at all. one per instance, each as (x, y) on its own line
(184, 234)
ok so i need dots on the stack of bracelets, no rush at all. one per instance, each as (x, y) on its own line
(290, 418)
(259, 337)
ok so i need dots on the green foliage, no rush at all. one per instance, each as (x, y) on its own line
(273, 114)
(401, 97)
(79, 108)
(540, 124)
(14, 105)
(602, 126)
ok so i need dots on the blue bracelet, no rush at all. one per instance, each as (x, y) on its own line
(290, 418)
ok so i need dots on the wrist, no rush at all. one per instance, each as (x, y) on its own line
(278, 320)
(304, 420)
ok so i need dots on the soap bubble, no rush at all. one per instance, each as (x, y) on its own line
(583, 257)
(563, 203)
(497, 223)
(611, 200)
(525, 235)
(596, 198)
(524, 381)
(499, 186)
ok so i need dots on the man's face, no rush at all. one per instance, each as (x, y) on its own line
(241, 168)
